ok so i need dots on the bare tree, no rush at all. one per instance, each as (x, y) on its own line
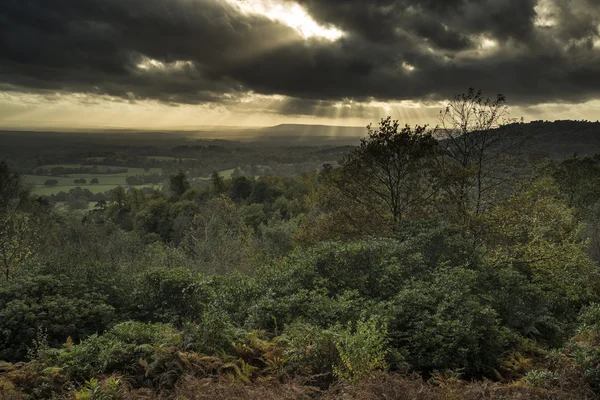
(477, 138)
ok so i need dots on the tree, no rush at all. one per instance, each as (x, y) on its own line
(134, 180)
(237, 172)
(95, 181)
(118, 195)
(77, 203)
(51, 182)
(391, 172)
(536, 233)
(218, 240)
(179, 184)
(13, 191)
(475, 140)
(241, 188)
(579, 180)
(218, 184)
(19, 239)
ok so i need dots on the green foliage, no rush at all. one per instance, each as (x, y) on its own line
(241, 188)
(579, 180)
(219, 241)
(277, 237)
(238, 279)
(179, 184)
(13, 191)
(391, 172)
(20, 239)
(59, 306)
(542, 379)
(351, 352)
(537, 234)
(442, 323)
(362, 349)
(212, 334)
(312, 349)
(109, 389)
(585, 347)
(170, 295)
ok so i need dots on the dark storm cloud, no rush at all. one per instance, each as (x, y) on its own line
(197, 51)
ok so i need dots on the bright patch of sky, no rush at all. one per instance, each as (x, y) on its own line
(291, 14)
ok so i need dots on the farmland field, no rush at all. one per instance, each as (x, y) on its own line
(65, 183)
(95, 189)
(227, 173)
(106, 181)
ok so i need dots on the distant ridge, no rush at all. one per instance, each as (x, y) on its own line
(563, 138)
(555, 139)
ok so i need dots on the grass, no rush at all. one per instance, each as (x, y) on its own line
(227, 173)
(65, 183)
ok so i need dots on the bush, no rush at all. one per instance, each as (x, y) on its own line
(129, 348)
(170, 295)
(585, 347)
(442, 323)
(58, 306)
(362, 348)
(349, 353)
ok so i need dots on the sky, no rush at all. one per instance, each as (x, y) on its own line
(171, 64)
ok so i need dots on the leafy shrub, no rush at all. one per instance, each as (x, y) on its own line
(170, 295)
(442, 323)
(312, 349)
(543, 379)
(362, 349)
(108, 389)
(349, 353)
(585, 347)
(60, 307)
(213, 333)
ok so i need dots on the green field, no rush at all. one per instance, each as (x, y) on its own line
(107, 181)
(227, 173)
(95, 189)
(65, 183)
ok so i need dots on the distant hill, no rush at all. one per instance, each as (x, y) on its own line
(559, 139)
(556, 139)
(298, 134)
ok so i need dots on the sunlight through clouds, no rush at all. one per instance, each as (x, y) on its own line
(289, 13)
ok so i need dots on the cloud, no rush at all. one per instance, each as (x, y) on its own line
(214, 52)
